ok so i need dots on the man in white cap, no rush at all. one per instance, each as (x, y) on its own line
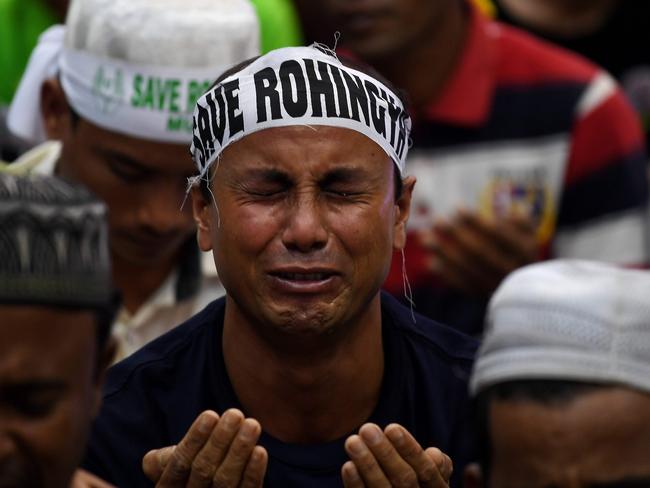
(57, 305)
(563, 380)
(304, 374)
(116, 88)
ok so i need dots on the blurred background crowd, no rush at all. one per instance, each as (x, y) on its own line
(530, 125)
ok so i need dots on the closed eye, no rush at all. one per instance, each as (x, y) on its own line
(32, 400)
(266, 184)
(127, 173)
(123, 166)
(344, 193)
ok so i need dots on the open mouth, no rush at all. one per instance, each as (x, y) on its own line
(302, 276)
(304, 281)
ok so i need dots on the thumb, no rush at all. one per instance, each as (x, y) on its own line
(154, 462)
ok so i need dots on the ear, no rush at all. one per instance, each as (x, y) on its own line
(55, 110)
(402, 211)
(473, 476)
(105, 360)
(201, 209)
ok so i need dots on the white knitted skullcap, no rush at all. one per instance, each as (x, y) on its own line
(178, 33)
(568, 320)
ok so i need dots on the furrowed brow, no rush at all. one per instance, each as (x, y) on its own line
(343, 175)
(269, 175)
(124, 159)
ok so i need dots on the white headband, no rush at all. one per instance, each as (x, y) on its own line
(148, 102)
(298, 86)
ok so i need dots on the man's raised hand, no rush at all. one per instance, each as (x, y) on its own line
(393, 458)
(215, 452)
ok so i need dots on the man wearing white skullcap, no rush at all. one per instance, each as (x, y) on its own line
(563, 380)
(116, 87)
(304, 374)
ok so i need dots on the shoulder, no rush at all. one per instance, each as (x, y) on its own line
(171, 351)
(430, 337)
(524, 58)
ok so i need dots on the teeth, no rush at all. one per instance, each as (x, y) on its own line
(304, 276)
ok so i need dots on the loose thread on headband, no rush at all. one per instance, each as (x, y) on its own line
(209, 181)
(325, 48)
(408, 292)
(337, 38)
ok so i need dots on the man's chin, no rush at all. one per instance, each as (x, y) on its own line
(20, 474)
(143, 256)
(305, 320)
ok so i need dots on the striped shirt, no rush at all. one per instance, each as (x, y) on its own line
(523, 125)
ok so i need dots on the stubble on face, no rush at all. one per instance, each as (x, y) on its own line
(306, 227)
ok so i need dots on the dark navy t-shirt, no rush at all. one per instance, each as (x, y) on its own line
(152, 398)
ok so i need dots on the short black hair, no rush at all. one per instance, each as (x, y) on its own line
(346, 61)
(543, 392)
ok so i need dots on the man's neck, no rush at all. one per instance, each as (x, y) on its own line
(423, 69)
(315, 390)
(138, 283)
(560, 18)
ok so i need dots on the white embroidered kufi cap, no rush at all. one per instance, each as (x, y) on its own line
(137, 67)
(568, 320)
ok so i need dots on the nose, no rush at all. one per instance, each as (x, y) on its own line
(305, 229)
(160, 209)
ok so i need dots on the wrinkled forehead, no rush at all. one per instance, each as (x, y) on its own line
(599, 437)
(313, 149)
(29, 332)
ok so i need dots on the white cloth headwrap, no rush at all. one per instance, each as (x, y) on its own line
(298, 86)
(24, 118)
(148, 102)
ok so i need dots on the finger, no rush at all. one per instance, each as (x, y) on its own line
(351, 476)
(458, 270)
(482, 251)
(255, 469)
(444, 462)
(231, 470)
(84, 479)
(155, 461)
(365, 463)
(396, 469)
(446, 259)
(425, 468)
(523, 222)
(426, 238)
(515, 235)
(208, 460)
(179, 467)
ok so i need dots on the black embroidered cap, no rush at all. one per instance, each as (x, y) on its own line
(53, 244)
